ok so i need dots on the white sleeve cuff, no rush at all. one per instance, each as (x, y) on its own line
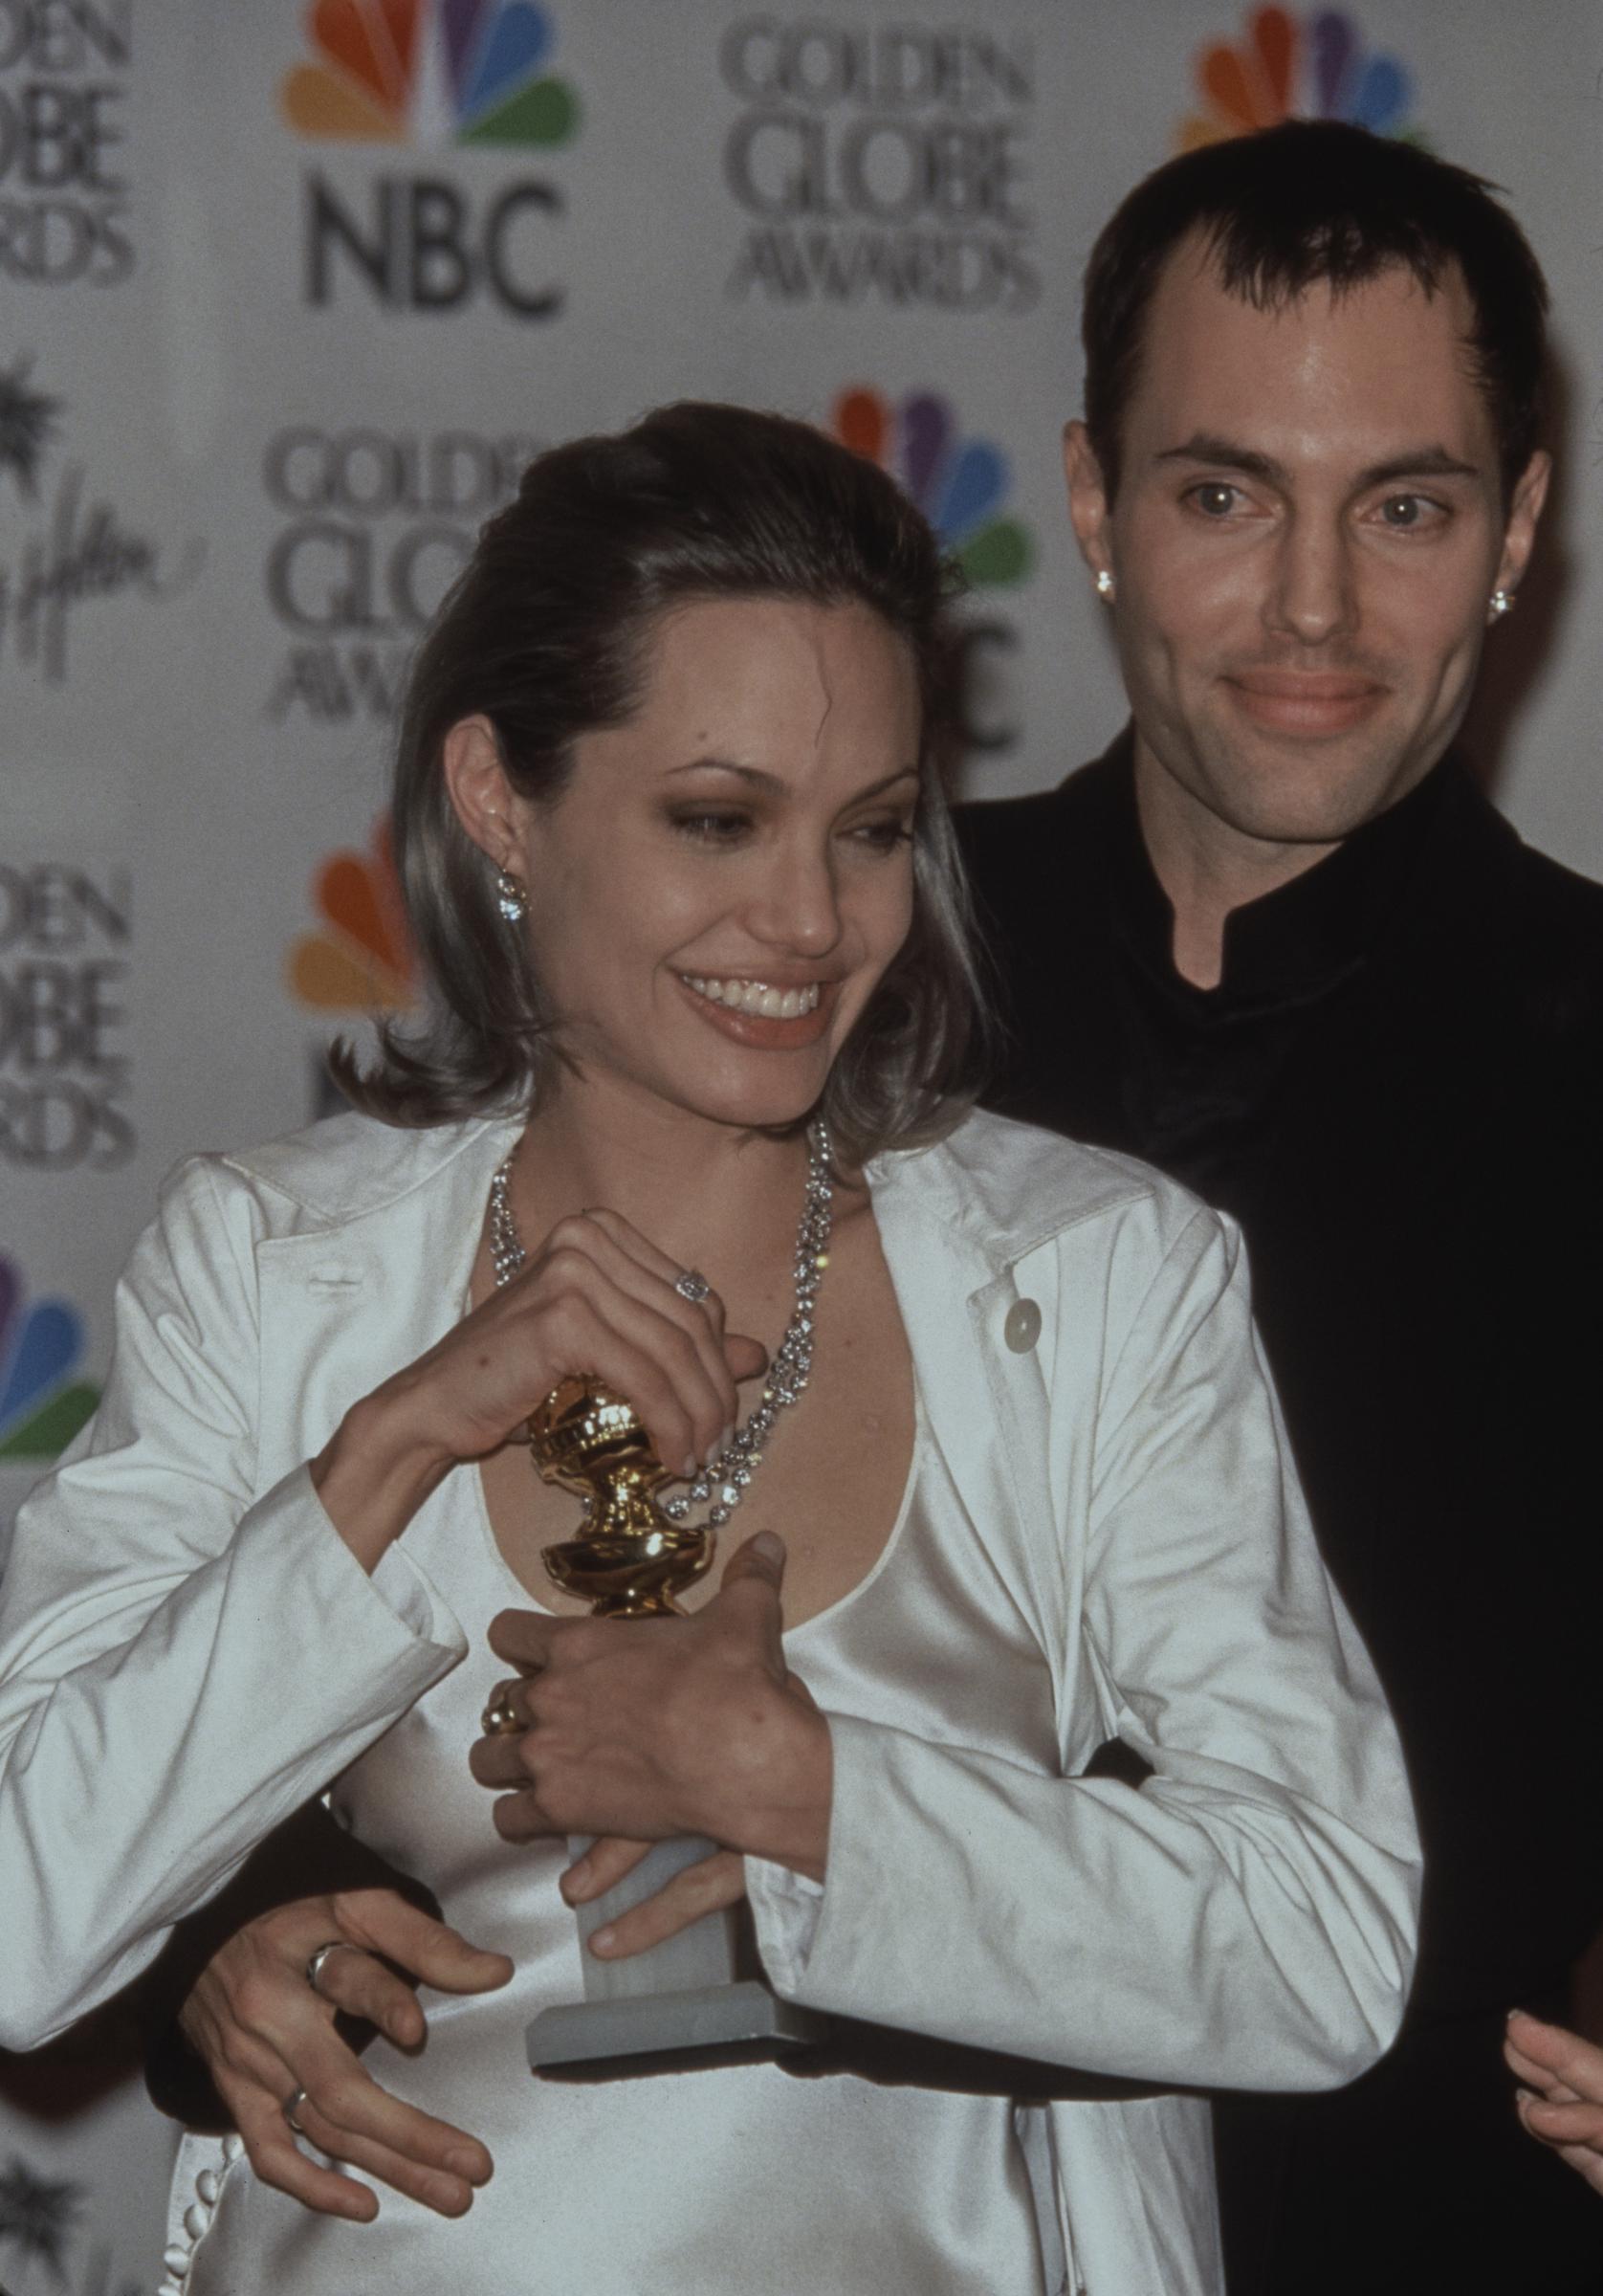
(786, 1908)
(413, 1596)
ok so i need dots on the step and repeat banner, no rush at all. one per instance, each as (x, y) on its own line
(289, 295)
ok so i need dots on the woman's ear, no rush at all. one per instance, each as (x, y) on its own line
(484, 799)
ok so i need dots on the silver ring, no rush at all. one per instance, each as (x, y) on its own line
(293, 2108)
(314, 1961)
(692, 1286)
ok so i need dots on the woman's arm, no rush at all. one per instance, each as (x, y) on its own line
(1248, 1917)
(150, 1731)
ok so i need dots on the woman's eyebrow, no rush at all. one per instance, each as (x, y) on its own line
(755, 778)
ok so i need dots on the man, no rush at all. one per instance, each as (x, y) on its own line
(1278, 942)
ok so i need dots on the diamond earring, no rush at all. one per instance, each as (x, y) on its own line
(1105, 587)
(511, 899)
(1501, 603)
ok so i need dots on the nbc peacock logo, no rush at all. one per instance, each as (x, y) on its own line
(1286, 67)
(960, 484)
(466, 71)
(42, 1405)
(359, 957)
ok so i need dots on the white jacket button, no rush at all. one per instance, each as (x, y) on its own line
(1022, 1328)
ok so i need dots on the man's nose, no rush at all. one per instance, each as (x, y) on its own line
(1314, 595)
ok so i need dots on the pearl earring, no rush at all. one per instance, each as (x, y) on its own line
(1105, 587)
(1501, 603)
(511, 899)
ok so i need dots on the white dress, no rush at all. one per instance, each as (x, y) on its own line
(741, 2180)
(188, 1651)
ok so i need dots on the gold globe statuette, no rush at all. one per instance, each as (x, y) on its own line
(629, 1561)
(697, 1998)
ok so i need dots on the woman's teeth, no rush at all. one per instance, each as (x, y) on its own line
(756, 996)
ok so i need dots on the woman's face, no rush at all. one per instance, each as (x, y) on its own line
(718, 889)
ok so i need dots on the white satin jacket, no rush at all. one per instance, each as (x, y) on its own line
(188, 1651)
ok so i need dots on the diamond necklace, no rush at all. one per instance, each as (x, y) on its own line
(724, 1479)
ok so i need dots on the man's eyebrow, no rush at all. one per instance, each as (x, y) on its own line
(1207, 445)
(1224, 453)
(755, 778)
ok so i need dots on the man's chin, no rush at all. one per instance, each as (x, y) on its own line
(1292, 790)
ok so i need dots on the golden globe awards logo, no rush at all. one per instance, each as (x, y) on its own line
(65, 936)
(881, 165)
(373, 526)
(63, 189)
(457, 77)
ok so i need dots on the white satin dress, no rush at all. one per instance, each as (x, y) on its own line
(741, 2180)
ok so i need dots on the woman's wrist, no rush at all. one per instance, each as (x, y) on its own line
(375, 1470)
(772, 1794)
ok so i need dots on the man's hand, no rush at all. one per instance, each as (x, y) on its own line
(264, 2035)
(1561, 2103)
(645, 1728)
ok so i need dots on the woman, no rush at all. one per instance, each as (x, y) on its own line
(676, 857)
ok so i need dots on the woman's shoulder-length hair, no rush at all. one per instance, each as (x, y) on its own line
(545, 634)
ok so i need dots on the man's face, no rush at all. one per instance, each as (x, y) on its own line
(1308, 531)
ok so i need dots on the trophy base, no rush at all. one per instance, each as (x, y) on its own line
(667, 2032)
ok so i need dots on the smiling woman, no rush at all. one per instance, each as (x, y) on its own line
(577, 594)
(692, 1115)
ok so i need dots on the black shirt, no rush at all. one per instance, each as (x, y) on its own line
(1397, 1089)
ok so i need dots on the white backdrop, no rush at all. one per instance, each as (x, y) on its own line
(286, 297)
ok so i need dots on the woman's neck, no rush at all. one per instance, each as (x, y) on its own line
(696, 1188)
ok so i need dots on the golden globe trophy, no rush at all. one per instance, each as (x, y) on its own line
(698, 1997)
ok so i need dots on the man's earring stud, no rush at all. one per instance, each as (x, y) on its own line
(1105, 587)
(511, 899)
(1501, 603)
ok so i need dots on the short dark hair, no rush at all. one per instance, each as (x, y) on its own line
(546, 633)
(1317, 199)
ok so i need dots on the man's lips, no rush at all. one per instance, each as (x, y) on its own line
(1306, 702)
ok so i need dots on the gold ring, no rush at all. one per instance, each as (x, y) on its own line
(500, 1718)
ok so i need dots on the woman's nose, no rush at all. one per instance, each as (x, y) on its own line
(797, 906)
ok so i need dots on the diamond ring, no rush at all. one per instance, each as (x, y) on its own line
(692, 1286)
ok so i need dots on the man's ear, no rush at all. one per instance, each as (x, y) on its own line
(1524, 514)
(1087, 498)
(483, 798)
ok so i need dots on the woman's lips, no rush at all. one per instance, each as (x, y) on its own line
(763, 1031)
(1312, 702)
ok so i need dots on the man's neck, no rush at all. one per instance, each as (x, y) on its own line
(1206, 867)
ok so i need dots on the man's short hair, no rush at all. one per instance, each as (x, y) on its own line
(1310, 201)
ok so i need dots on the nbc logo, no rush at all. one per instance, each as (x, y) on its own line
(41, 1344)
(446, 76)
(1286, 67)
(430, 72)
(960, 484)
(358, 959)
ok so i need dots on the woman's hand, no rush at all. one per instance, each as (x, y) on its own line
(595, 1297)
(645, 1728)
(264, 2035)
(1561, 2103)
